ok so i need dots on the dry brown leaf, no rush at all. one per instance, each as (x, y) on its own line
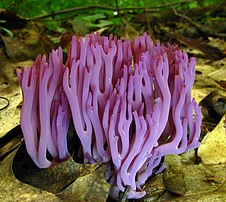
(213, 146)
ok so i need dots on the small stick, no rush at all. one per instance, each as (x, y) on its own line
(125, 193)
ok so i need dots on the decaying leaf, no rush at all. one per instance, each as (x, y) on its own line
(213, 107)
(194, 182)
(53, 179)
(210, 197)
(90, 187)
(154, 188)
(87, 180)
(11, 141)
(12, 189)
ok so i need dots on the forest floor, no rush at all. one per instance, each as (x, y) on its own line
(198, 175)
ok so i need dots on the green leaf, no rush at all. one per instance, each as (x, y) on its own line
(9, 32)
(94, 17)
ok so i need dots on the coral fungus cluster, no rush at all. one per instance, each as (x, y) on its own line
(129, 101)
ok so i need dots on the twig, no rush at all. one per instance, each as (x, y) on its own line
(7, 104)
(117, 7)
(125, 193)
(59, 19)
(204, 32)
(69, 10)
(148, 21)
(189, 20)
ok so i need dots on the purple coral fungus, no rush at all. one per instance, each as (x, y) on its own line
(130, 102)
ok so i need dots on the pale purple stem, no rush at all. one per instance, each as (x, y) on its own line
(72, 95)
(136, 146)
(28, 80)
(113, 138)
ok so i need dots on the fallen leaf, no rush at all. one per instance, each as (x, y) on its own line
(53, 179)
(213, 146)
(90, 187)
(194, 181)
(12, 189)
(154, 188)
